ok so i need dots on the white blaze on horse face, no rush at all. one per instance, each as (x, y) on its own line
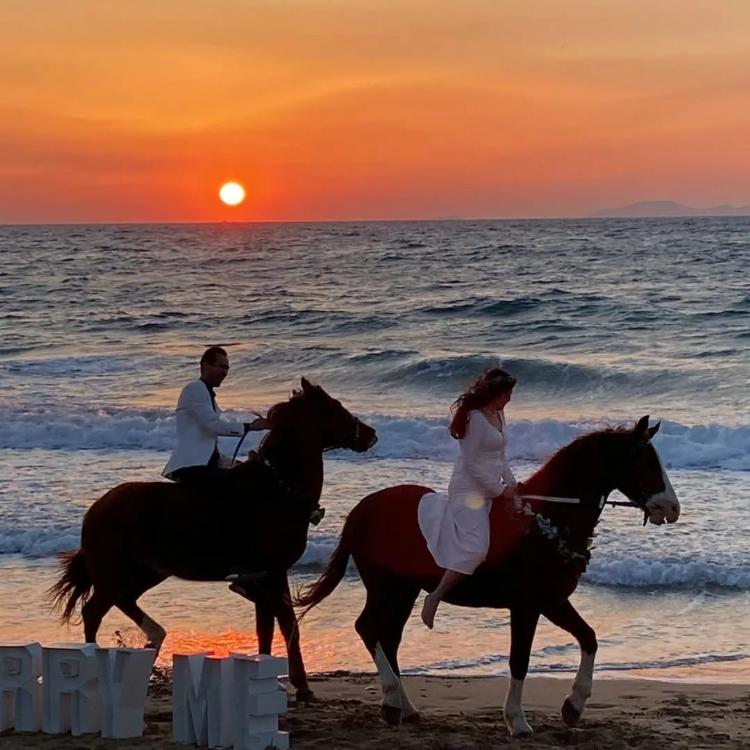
(664, 505)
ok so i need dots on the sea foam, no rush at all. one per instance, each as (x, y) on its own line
(627, 573)
(711, 446)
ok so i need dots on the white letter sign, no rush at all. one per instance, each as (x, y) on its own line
(20, 691)
(123, 678)
(71, 691)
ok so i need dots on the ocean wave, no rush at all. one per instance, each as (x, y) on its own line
(450, 374)
(490, 307)
(712, 446)
(328, 322)
(73, 365)
(39, 543)
(100, 430)
(629, 574)
(638, 573)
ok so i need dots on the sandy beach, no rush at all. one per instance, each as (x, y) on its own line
(465, 713)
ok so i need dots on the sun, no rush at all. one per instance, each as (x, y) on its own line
(232, 193)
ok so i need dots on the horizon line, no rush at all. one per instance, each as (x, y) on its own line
(587, 217)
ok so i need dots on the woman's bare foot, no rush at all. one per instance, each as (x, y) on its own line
(428, 610)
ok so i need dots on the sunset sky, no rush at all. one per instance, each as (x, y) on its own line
(369, 109)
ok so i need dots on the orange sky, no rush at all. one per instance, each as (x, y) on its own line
(369, 109)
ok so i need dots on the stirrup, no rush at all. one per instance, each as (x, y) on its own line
(238, 588)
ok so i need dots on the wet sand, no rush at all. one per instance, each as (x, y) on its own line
(465, 713)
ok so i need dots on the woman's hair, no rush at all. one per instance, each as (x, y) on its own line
(486, 388)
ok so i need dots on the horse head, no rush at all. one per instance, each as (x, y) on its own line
(313, 416)
(338, 428)
(643, 479)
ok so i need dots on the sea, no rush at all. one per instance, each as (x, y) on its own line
(601, 320)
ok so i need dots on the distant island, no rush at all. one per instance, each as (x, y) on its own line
(669, 208)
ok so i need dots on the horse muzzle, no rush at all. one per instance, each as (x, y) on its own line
(662, 508)
(364, 437)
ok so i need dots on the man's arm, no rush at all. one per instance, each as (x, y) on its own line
(195, 399)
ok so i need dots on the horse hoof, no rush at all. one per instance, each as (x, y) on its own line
(570, 714)
(523, 733)
(391, 715)
(414, 718)
(305, 695)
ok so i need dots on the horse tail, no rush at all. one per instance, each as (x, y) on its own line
(313, 594)
(74, 585)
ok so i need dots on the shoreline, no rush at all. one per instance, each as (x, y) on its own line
(464, 713)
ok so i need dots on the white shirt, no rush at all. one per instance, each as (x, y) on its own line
(198, 426)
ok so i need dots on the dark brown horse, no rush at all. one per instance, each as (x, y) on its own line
(140, 533)
(537, 554)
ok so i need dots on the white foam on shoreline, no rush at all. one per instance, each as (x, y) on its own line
(681, 446)
(623, 573)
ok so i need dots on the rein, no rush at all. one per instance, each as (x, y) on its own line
(316, 514)
(576, 501)
(555, 535)
(237, 449)
(552, 499)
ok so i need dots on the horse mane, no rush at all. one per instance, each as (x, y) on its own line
(284, 413)
(560, 460)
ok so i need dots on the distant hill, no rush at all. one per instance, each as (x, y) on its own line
(670, 208)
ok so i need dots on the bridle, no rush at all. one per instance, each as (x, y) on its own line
(639, 502)
(357, 433)
(641, 499)
(318, 511)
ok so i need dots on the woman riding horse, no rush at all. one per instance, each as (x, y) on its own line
(457, 528)
(533, 565)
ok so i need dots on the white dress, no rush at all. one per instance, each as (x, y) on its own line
(456, 526)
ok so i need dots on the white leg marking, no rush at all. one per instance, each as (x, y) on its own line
(407, 707)
(392, 689)
(583, 682)
(515, 719)
(154, 632)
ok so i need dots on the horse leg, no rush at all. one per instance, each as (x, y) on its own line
(393, 623)
(150, 628)
(380, 626)
(523, 623)
(565, 616)
(289, 627)
(93, 613)
(264, 625)
(154, 632)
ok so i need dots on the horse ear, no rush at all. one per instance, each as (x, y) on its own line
(651, 431)
(642, 427)
(307, 386)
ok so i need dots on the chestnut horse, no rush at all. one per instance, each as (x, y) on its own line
(538, 551)
(140, 533)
